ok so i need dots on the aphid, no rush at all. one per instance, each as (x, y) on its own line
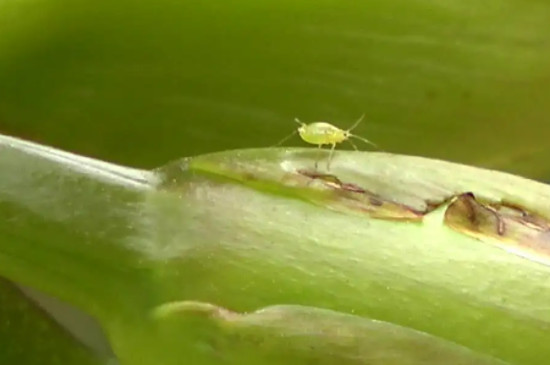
(323, 133)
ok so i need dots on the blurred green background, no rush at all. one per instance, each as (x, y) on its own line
(144, 82)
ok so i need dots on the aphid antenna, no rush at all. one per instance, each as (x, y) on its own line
(358, 137)
(356, 123)
(299, 121)
(363, 139)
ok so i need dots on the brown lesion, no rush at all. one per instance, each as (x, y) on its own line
(465, 213)
(352, 197)
(333, 181)
(503, 223)
(519, 214)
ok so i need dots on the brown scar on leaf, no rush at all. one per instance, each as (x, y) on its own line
(465, 213)
(508, 225)
(503, 224)
(349, 196)
(518, 213)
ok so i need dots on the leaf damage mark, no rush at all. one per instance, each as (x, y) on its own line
(350, 196)
(506, 225)
(386, 193)
(466, 214)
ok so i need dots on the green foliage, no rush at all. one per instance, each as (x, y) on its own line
(142, 83)
(245, 230)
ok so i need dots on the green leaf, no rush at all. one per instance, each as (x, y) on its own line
(290, 334)
(426, 245)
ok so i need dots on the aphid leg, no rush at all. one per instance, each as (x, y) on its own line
(317, 159)
(330, 156)
(353, 145)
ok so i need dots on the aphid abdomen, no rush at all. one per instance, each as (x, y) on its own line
(321, 133)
